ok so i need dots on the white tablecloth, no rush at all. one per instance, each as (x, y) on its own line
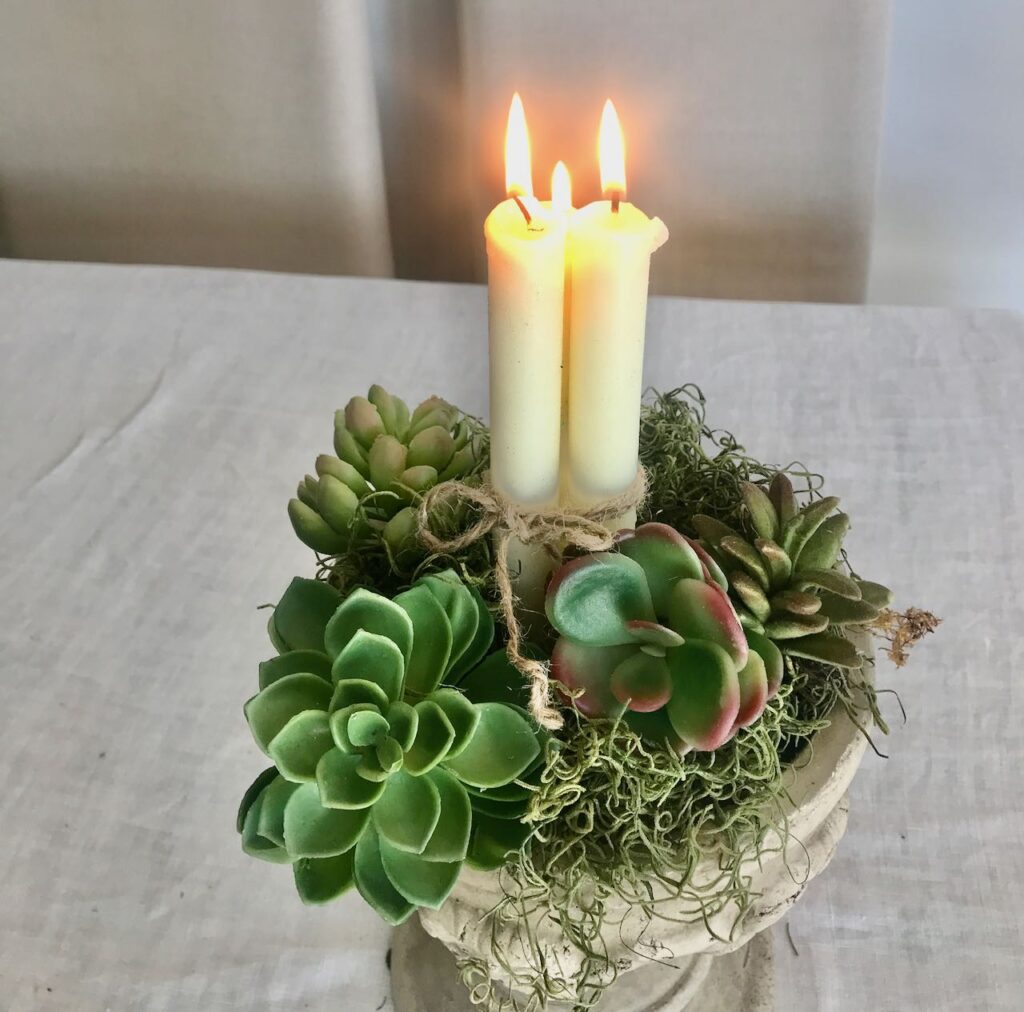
(154, 422)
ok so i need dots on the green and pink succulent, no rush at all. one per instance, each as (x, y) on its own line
(387, 775)
(787, 580)
(386, 458)
(648, 634)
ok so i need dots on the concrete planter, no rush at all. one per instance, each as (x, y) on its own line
(706, 974)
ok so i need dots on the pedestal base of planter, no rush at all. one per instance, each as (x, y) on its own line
(424, 978)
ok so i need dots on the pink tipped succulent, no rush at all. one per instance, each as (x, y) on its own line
(648, 632)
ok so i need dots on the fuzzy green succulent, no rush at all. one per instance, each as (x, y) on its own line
(386, 459)
(648, 634)
(786, 580)
(388, 775)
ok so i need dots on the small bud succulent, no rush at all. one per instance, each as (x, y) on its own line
(386, 458)
(387, 775)
(648, 633)
(786, 581)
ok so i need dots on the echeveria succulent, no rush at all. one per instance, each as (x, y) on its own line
(786, 580)
(386, 459)
(386, 775)
(648, 633)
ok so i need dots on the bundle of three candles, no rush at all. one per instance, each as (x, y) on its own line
(567, 305)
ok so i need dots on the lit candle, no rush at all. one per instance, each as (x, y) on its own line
(525, 300)
(525, 310)
(610, 248)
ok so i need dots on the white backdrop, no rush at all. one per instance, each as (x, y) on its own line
(363, 136)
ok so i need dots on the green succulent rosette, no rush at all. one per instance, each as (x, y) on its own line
(787, 581)
(648, 634)
(386, 458)
(388, 775)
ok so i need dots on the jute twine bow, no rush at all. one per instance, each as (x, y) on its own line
(553, 528)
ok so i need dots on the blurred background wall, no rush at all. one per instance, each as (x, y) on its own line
(821, 150)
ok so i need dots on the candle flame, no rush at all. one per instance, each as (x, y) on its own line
(611, 150)
(561, 189)
(518, 176)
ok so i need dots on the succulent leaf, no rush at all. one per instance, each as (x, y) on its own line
(432, 641)
(796, 602)
(373, 882)
(270, 824)
(322, 879)
(298, 746)
(340, 719)
(665, 557)
(353, 691)
(340, 783)
(777, 562)
(463, 716)
(256, 845)
(593, 598)
(788, 627)
(828, 649)
(313, 531)
(582, 666)
(335, 467)
(702, 611)
(748, 557)
(642, 683)
(407, 812)
(424, 883)
(822, 549)
(302, 614)
(654, 634)
(252, 792)
(450, 839)
(841, 611)
(753, 683)
(501, 748)
(712, 531)
(828, 579)
(295, 662)
(783, 498)
(271, 708)
(479, 645)
(392, 410)
(459, 606)
(771, 656)
(364, 610)
(763, 516)
(705, 695)
(387, 460)
(363, 420)
(403, 721)
(336, 503)
(802, 526)
(346, 447)
(494, 680)
(875, 594)
(434, 736)
(372, 658)
(310, 830)
(492, 839)
(433, 447)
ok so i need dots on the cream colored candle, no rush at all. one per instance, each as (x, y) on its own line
(610, 248)
(525, 300)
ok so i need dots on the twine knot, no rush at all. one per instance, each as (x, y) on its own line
(585, 529)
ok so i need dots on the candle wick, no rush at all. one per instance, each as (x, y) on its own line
(616, 197)
(522, 207)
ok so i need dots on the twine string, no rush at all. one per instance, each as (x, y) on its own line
(553, 528)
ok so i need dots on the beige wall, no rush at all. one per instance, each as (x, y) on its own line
(358, 136)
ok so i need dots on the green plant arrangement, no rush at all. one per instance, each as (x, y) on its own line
(695, 659)
(375, 748)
